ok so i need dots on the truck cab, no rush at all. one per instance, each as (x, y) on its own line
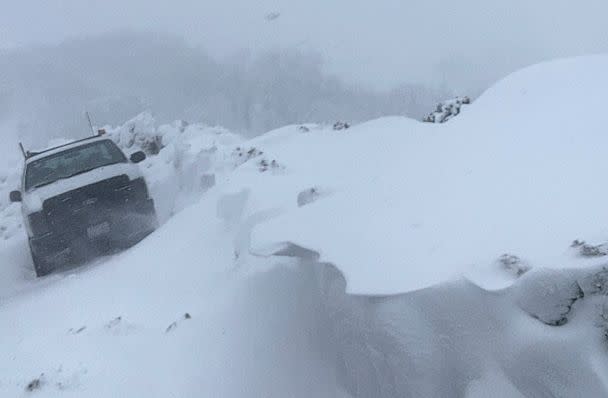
(82, 199)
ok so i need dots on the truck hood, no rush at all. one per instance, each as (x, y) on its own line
(33, 200)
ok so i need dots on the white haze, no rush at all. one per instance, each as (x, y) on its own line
(45, 90)
(467, 43)
(228, 63)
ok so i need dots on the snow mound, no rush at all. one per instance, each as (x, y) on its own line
(139, 134)
(413, 205)
(184, 160)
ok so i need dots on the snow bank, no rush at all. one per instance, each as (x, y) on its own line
(10, 213)
(457, 340)
(184, 160)
(415, 204)
(10, 173)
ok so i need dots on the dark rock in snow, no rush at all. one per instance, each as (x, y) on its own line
(341, 126)
(514, 264)
(173, 325)
(77, 331)
(604, 321)
(272, 16)
(264, 165)
(114, 322)
(447, 110)
(242, 155)
(592, 251)
(35, 384)
(139, 134)
(549, 296)
(595, 283)
(587, 250)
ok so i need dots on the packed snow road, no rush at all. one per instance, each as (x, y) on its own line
(18, 272)
(19, 277)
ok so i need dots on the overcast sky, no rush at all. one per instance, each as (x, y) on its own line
(379, 43)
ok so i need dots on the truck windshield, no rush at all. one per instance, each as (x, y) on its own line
(71, 162)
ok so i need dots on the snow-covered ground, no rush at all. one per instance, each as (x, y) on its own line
(389, 259)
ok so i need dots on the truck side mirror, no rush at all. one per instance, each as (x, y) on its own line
(138, 156)
(15, 196)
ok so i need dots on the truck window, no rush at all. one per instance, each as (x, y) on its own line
(72, 162)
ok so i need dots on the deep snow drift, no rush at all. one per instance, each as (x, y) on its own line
(388, 259)
(519, 173)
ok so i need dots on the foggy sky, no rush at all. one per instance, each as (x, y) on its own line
(467, 43)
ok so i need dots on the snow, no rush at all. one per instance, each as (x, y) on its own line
(186, 161)
(390, 259)
(148, 290)
(519, 173)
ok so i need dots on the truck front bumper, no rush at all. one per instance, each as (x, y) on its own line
(101, 231)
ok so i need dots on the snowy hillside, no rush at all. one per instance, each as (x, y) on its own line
(517, 174)
(390, 259)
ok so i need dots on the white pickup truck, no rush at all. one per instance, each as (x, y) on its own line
(83, 199)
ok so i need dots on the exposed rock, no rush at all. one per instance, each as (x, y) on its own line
(341, 126)
(514, 264)
(35, 384)
(549, 296)
(447, 110)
